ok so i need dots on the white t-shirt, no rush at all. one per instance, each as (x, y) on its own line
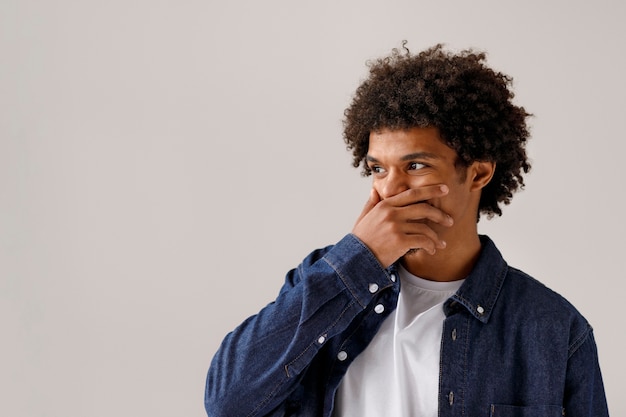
(397, 375)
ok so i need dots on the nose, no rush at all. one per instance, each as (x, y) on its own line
(394, 183)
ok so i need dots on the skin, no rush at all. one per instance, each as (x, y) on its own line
(423, 207)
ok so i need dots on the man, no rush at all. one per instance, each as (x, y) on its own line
(414, 313)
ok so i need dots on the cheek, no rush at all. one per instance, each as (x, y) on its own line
(412, 182)
(393, 185)
(418, 181)
(457, 202)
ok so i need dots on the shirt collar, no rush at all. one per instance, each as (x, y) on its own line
(479, 292)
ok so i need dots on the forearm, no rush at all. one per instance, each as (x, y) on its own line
(259, 364)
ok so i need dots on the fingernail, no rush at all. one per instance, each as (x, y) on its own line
(444, 188)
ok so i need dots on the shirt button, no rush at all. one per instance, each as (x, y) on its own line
(321, 340)
(393, 277)
(379, 308)
(451, 398)
(480, 310)
(454, 334)
(342, 356)
(373, 287)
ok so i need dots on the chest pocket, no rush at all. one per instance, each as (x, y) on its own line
(500, 410)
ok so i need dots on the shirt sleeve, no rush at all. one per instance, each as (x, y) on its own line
(584, 390)
(259, 363)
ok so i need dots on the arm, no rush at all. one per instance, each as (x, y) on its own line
(584, 390)
(258, 364)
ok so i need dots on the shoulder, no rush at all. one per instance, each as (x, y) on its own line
(530, 291)
(530, 299)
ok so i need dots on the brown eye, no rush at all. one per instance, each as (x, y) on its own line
(416, 165)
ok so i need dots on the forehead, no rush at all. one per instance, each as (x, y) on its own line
(394, 144)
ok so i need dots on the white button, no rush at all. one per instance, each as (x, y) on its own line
(453, 334)
(451, 398)
(342, 356)
(480, 309)
(321, 340)
(379, 308)
(393, 277)
(373, 288)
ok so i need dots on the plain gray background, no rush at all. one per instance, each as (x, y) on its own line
(164, 163)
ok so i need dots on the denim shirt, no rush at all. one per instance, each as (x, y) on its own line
(510, 346)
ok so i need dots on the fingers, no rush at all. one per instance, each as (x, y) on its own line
(422, 212)
(412, 206)
(417, 195)
(401, 223)
(422, 236)
(370, 204)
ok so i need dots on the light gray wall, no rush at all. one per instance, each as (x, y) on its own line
(164, 163)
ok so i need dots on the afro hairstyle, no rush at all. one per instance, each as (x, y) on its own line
(469, 103)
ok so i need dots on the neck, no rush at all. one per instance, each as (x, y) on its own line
(454, 262)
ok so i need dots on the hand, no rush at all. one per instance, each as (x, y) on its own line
(393, 226)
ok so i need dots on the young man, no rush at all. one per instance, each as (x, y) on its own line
(414, 313)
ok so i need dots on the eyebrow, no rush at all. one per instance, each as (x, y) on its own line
(409, 157)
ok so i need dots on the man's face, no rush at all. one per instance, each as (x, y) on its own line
(404, 159)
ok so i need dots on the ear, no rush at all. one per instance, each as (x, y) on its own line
(480, 173)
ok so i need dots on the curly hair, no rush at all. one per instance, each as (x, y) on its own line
(469, 103)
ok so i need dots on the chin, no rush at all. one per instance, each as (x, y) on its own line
(412, 252)
(418, 253)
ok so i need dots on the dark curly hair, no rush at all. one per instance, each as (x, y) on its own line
(468, 102)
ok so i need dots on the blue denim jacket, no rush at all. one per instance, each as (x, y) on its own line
(510, 346)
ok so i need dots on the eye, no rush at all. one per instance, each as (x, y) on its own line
(416, 166)
(377, 169)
